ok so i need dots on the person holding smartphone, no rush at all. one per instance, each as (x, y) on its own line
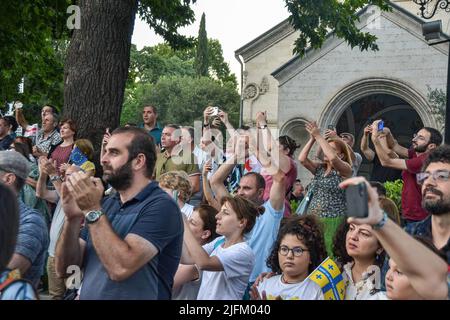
(426, 140)
(416, 271)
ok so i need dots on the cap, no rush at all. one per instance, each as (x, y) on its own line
(14, 162)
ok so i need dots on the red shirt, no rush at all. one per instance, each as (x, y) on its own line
(61, 155)
(412, 193)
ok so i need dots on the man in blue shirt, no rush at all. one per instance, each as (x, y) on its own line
(32, 240)
(150, 117)
(131, 244)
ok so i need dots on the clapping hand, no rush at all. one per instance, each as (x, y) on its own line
(86, 191)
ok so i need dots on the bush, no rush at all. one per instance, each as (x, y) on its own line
(394, 192)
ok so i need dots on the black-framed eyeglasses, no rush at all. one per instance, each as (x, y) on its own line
(296, 251)
(438, 175)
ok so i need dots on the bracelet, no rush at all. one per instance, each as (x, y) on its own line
(263, 126)
(381, 223)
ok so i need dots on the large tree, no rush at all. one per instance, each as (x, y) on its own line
(201, 59)
(315, 18)
(96, 67)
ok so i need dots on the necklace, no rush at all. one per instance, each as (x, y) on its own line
(287, 282)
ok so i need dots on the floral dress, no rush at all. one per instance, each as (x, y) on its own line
(328, 202)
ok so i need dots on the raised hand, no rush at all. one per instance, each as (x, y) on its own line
(261, 118)
(69, 205)
(312, 129)
(375, 213)
(86, 191)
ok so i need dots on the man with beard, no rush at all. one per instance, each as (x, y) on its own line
(423, 142)
(435, 181)
(131, 244)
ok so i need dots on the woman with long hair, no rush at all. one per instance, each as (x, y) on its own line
(328, 200)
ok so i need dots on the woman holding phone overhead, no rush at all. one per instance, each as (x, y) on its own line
(328, 200)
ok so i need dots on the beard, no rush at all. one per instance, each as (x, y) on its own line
(121, 178)
(420, 149)
(436, 207)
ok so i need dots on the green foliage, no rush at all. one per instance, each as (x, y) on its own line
(438, 101)
(315, 18)
(294, 205)
(180, 99)
(165, 17)
(201, 58)
(394, 192)
(33, 37)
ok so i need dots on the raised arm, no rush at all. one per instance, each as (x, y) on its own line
(199, 256)
(426, 271)
(368, 153)
(342, 167)
(207, 167)
(385, 159)
(303, 156)
(41, 186)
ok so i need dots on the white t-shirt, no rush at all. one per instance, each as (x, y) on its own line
(187, 210)
(305, 290)
(230, 284)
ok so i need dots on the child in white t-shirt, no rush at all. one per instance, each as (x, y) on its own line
(227, 261)
(298, 250)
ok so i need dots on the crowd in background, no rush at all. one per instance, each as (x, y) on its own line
(224, 217)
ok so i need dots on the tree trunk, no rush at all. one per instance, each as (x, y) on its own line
(96, 67)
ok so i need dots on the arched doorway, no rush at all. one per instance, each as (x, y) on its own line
(397, 114)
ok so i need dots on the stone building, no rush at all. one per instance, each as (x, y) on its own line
(343, 87)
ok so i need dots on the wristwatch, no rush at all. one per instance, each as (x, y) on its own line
(55, 178)
(93, 216)
(262, 126)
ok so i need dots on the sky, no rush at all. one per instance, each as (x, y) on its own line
(233, 22)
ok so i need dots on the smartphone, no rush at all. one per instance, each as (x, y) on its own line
(380, 125)
(215, 111)
(357, 201)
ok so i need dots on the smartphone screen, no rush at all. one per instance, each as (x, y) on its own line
(380, 125)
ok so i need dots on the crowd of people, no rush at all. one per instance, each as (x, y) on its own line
(181, 214)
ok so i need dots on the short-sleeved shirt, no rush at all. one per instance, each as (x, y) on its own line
(44, 144)
(263, 236)
(411, 193)
(156, 133)
(166, 163)
(229, 284)
(32, 242)
(154, 216)
(356, 164)
(305, 290)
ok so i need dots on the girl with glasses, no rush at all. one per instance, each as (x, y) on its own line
(298, 250)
